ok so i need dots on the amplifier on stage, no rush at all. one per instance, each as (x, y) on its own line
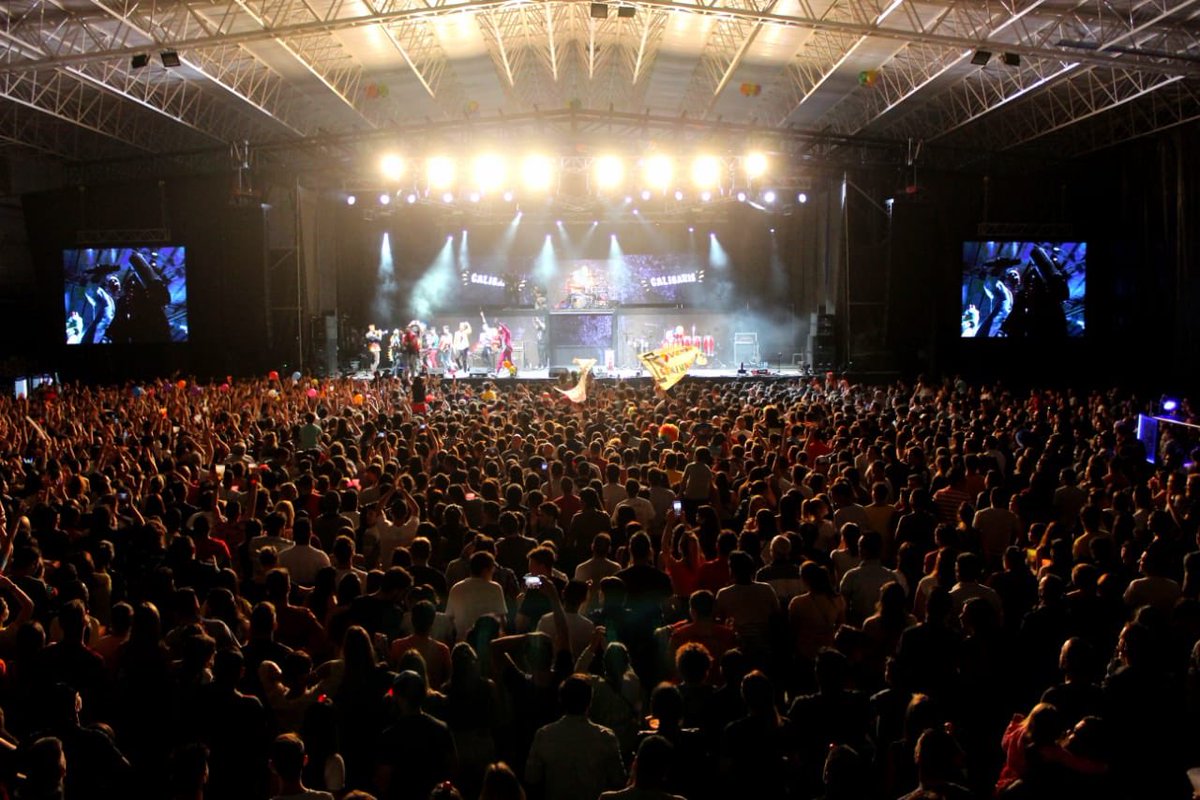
(745, 347)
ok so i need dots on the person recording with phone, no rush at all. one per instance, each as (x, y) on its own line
(534, 604)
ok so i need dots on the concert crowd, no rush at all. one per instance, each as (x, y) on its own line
(788, 588)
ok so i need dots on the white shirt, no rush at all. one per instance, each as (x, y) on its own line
(861, 586)
(962, 592)
(641, 508)
(579, 630)
(611, 494)
(303, 562)
(470, 599)
(575, 759)
(595, 568)
(391, 536)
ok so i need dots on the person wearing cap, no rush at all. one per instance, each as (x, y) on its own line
(416, 752)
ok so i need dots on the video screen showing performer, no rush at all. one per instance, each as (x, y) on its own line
(125, 295)
(1023, 290)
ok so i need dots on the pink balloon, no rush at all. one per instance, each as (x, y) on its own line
(311, 392)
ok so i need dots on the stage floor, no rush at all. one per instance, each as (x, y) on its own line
(705, 373)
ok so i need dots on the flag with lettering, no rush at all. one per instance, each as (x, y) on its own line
(578, 393)
(668, 365)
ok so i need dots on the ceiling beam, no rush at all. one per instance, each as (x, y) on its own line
(316, 48)
(417, 43)
(230, 68)
(1097, 23)
(728, 42)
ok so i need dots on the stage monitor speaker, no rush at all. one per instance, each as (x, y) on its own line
(477, 372)
(557, 373)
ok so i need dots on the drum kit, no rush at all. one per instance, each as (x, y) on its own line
(705, 343)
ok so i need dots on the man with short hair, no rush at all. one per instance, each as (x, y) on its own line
(303, 561)
(436, 654)
(642, 508)
(287, 763)
(599, 566)
(574, 758)
(860, 585)
(747, 604)
(702, 628)
(477, 595)
(968, 570)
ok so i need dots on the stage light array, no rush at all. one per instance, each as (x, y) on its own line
(537, 173)
(490, 172)
(491, 176)
(706, 172)
(392, 167)
(439, 171)
(610, 172)
(657, 172)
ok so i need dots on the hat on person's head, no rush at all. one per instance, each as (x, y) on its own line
(409, 686)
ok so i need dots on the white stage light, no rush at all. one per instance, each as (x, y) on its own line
(351, 199)
(439, 171)
(802, 198)
(768, 196)
(490, 172)
(385, 199)
(706, 172)
(741, 197)
(755, 165)
(508, 197)
(657, 172)
(392, 167)
(411, 198)
(706, 196)
(645, 194)
(537, 173)
(474, 197)
(678, 195)
(448, 197)
(609, 172)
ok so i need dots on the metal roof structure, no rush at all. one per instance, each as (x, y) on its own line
(321, 84)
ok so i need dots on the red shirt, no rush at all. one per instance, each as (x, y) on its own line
(568, 507)
(209, 547)
(713, 575)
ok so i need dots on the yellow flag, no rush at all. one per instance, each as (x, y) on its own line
(668, 365)
(578, 393)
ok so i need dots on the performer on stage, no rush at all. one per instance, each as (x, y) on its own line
(395, 351)
(539, 329)
(487, 342)
(430, 337)
(411, 348)
(506, 349)
(462, 345)
(446, 348)
(373, 337)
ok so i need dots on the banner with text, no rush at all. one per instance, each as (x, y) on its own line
(668, 365)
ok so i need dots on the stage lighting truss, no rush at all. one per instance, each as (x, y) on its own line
(657, 185)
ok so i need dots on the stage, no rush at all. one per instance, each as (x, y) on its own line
(600, 374)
